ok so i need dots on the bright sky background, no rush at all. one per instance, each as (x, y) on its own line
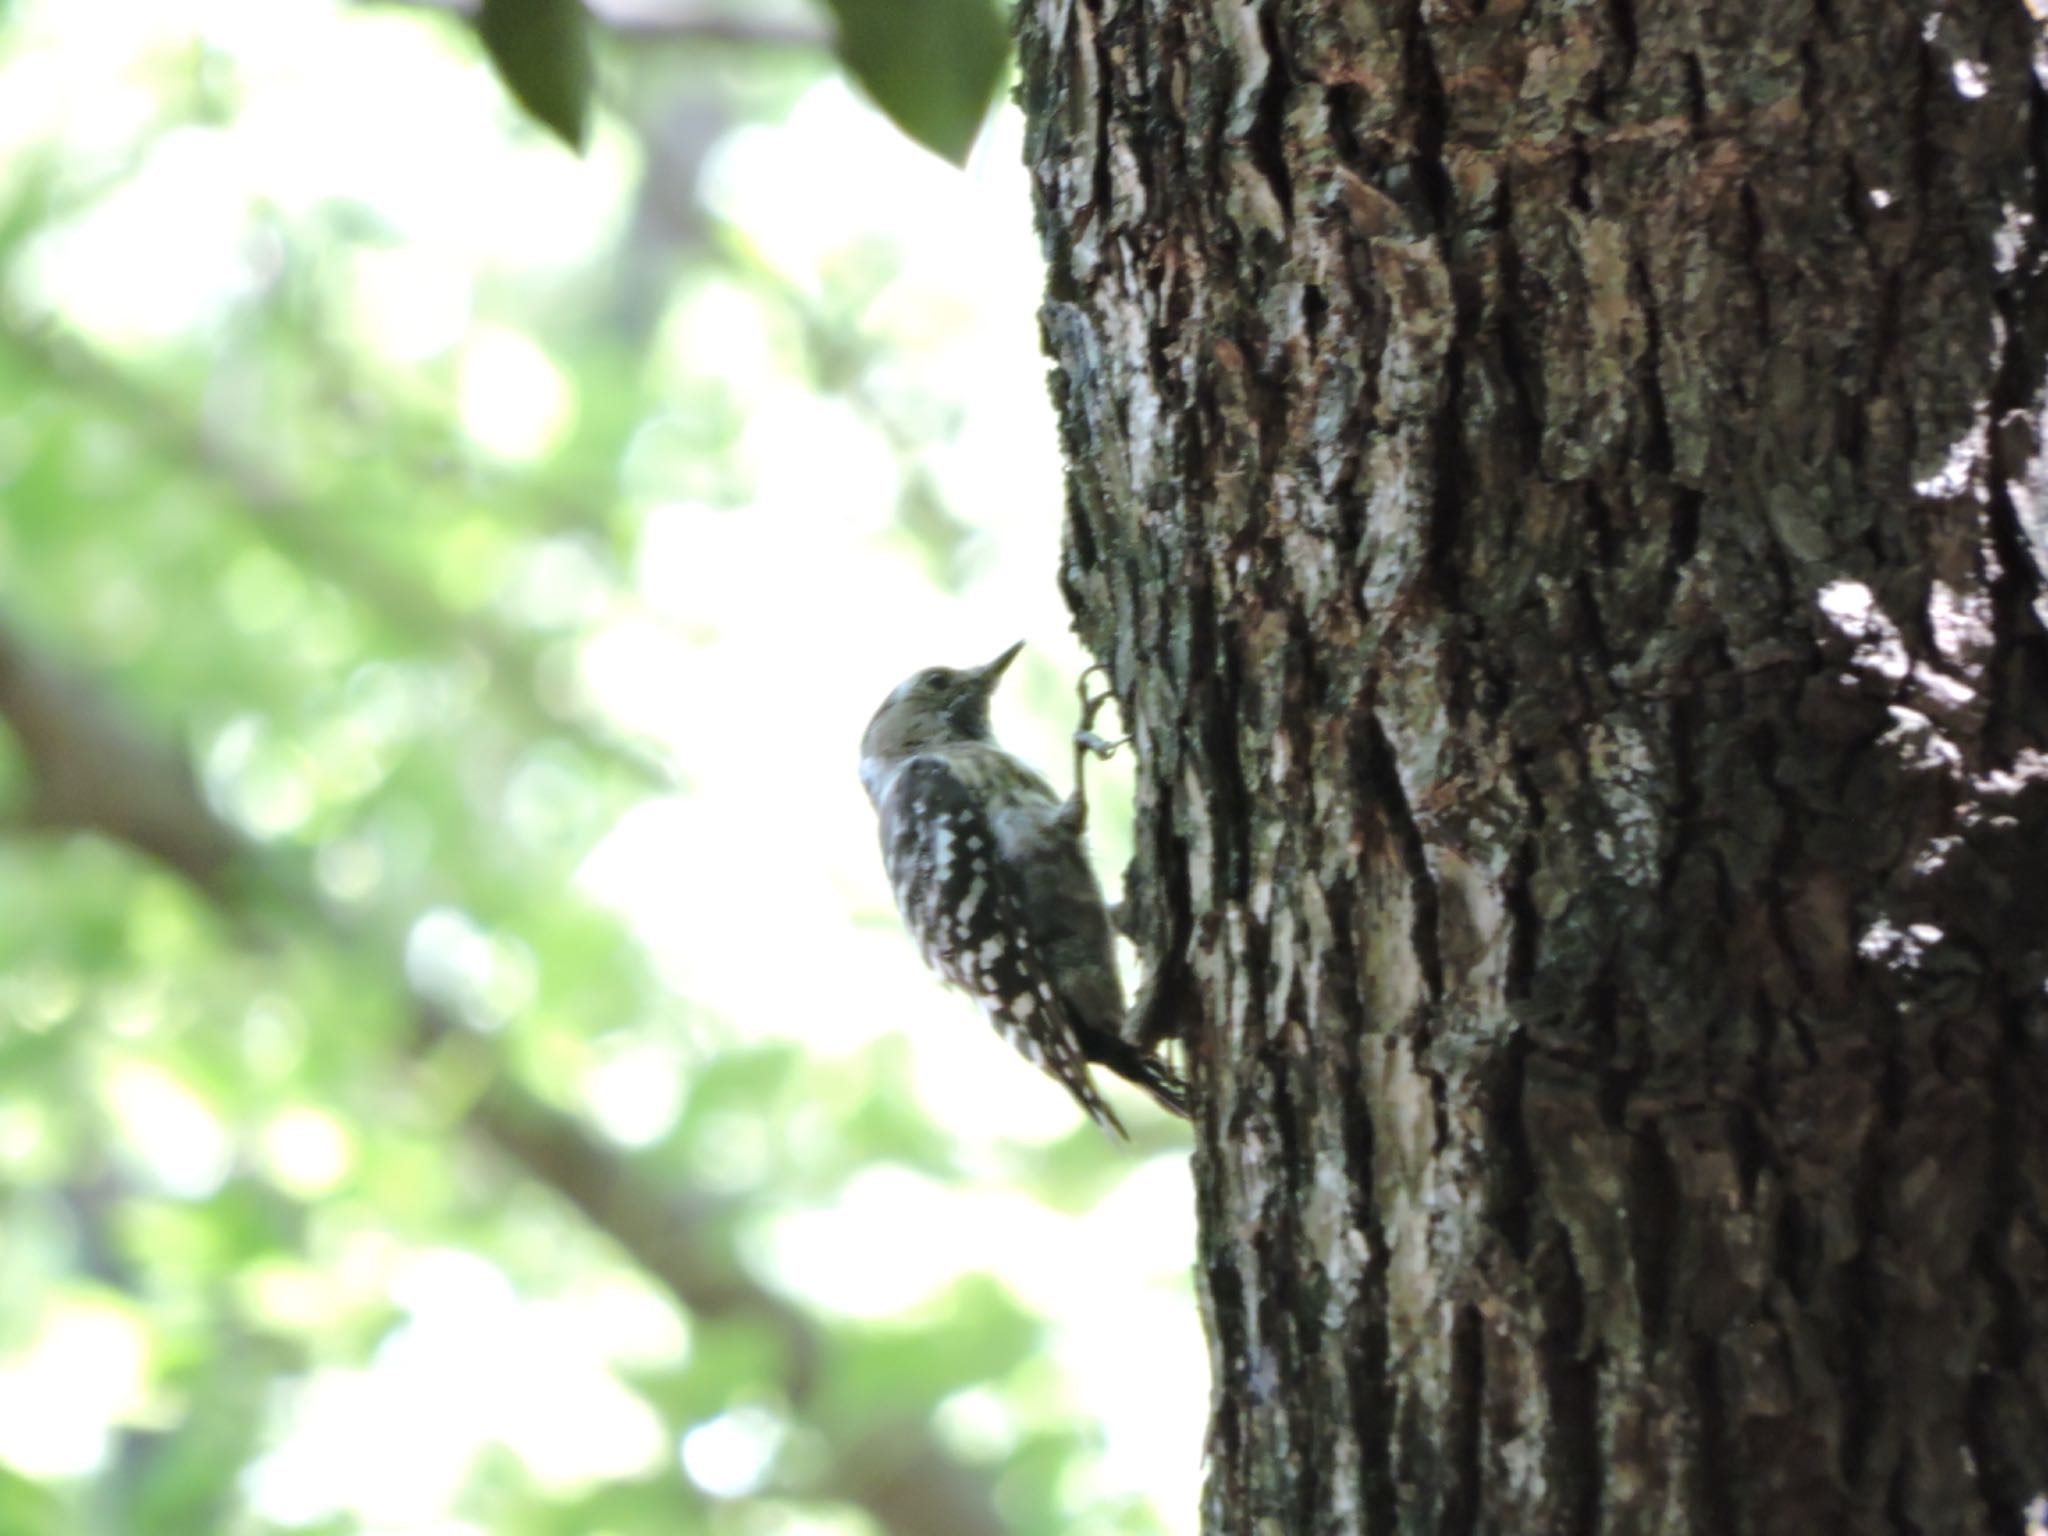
(756, 644)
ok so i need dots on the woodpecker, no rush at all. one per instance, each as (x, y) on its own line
(993, 881)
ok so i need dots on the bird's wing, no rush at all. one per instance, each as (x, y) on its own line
(965, 907)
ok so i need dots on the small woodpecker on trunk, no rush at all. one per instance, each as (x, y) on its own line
(993, 881)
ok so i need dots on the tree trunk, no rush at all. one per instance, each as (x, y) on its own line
(1556, 486)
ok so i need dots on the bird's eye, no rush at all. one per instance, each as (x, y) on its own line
(928, 682)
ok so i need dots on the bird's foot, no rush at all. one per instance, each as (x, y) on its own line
(1087, 737)
(1088, 742)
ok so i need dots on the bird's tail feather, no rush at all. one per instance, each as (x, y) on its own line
(1141, 1067)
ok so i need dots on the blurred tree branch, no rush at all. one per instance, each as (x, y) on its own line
(657, 23)
(296, 523)
(93, 770)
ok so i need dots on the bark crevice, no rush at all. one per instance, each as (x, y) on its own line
(1563, 490)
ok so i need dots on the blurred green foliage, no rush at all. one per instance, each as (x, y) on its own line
(395, 1176)
(932, 66)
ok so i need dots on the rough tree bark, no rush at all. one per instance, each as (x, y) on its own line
(1552, 482)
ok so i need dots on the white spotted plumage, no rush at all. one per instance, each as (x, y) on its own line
(993, 882)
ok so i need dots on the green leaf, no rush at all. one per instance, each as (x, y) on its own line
(932, 65)
(542, 52)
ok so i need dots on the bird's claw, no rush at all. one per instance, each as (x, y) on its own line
(1098, 747)
(1087, 738)
(1088, 742)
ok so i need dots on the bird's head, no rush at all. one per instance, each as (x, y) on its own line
(931, 708)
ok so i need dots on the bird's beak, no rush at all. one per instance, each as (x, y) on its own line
(987, 677)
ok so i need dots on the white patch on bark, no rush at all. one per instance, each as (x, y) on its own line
(1624, 772)
(2029, 766)
(1942, 690)
(1522, 1457)
(1852, 608)
(1254, 61)
(1194, 819)
(2011, 238)
(1404, 1123)
(1130, 345)
(1919, 745)
(1960, 623)
(1333, 1236)
(1962, 460)
(1885, 943)
(1849, 603)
